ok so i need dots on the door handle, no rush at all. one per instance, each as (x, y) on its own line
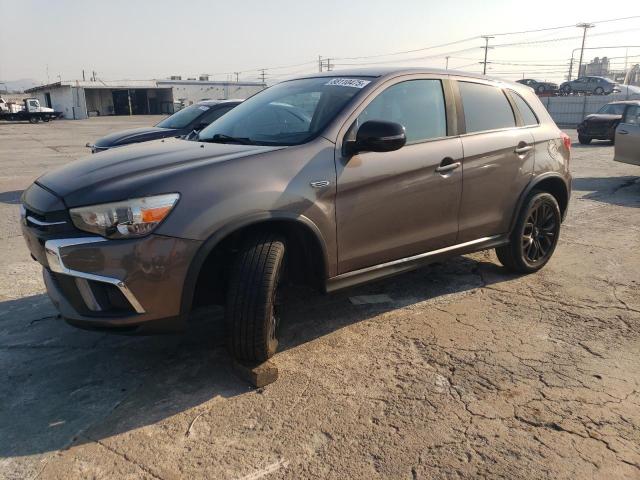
(449, 167)
(623, 132)
(524, 149)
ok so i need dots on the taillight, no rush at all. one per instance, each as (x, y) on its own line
(566, 140)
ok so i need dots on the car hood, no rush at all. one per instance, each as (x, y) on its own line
(602, 117)
(135, 135)
(135, 170)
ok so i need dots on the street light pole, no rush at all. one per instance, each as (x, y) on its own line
(585, 27)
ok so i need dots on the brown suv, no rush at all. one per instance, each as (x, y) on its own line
(332, 179)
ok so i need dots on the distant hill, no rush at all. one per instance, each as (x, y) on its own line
(18, 85)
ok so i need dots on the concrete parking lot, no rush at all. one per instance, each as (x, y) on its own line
(462, 370)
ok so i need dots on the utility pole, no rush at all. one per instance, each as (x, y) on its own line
(237, 74)
(585, 27)
(486, 50)
(329, 66)
(262, 77)
(626, 58)
(570, 68)
(446, 65)
(320, 63)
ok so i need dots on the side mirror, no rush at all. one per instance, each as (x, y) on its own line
(377, 136)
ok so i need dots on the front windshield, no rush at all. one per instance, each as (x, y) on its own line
(613, 109)
(183, 117)
(290, 113)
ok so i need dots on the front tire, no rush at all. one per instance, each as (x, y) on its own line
(599, 91)
(251, 314)
(584, 140)
(535, 236)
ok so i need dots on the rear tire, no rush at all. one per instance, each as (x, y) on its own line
(599, 91)
(535, 235)
(584, 140)
(251, 315)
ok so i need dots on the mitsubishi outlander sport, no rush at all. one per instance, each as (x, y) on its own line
(329, 180)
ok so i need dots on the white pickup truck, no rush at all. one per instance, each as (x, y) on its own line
(30, 110)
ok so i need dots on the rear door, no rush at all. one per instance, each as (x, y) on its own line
(498, 160)
(627, 145)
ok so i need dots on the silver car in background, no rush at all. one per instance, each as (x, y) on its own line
(592, 85)
(627, 145)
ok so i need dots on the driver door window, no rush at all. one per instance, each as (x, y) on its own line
(632, 117)
(417, 105)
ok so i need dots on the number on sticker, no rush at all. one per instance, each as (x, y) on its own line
(349, 82)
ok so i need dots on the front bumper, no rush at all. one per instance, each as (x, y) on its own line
(134, 286)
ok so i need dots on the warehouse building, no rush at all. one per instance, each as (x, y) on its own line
(80, 99)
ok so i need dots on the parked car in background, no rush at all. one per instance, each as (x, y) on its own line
(540, 87)
(329, 180)
(592, 85)
(180, 124)
(627, 149)
(602, 125)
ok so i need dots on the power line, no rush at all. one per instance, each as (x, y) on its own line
(404, 52)
(564, 26)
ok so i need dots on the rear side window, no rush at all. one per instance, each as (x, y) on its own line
(418, 105)
(485, 107)
(633, 115)
(528, 117)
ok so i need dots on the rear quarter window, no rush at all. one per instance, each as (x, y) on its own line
(526, 112)
(485, 107)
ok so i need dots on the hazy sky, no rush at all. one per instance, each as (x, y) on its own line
(138, 39)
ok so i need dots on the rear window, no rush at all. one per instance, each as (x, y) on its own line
(526, 112)
(485, 107)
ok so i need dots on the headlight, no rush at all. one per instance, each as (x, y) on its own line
(126, 219)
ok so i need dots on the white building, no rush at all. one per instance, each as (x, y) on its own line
(81, 99)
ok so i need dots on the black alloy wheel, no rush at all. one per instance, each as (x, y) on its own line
(535, 235)
(539, 234)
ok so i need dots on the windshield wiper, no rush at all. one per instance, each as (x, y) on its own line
(222, 138)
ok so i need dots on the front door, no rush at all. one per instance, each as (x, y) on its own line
(627, 144)
(394, 205)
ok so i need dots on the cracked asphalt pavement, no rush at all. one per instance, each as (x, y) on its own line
(461, 371)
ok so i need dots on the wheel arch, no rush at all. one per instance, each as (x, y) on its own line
(305, 243)
(552, 183)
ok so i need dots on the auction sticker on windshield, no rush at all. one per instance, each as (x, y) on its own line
(349, 82)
